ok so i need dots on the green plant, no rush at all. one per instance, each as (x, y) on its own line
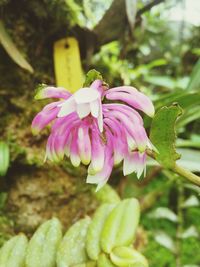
(105, 240)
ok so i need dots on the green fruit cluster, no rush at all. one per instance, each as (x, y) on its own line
(103, 241)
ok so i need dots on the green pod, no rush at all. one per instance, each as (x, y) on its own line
(41, 251)
(128, 257)
(121, 224)
(107, 195)
(95, 229)
(104, 261)
(4, 158)
(72, 249)
(13, 253)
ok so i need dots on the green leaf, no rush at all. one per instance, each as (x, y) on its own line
(4, 158)
(91, 76)
(188, 116)
(95, 230)
(163, 135)
(104, 261)
(12, 50)
(126, 256)
(43, 245)
(194, 82)
(13, 252)
(72, 249)
(183, 98)
(107, 195)
(120, 226)
(190, 158)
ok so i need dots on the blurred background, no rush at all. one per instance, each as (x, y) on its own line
(152, 45)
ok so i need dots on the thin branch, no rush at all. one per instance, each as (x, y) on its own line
(148, 7)
(181, 171)
(187, 174)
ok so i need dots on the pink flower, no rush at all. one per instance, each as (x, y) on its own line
(94, 133)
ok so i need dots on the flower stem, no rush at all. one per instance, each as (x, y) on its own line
(187, 174)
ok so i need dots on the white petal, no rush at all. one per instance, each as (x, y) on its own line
(83, 110)
(94, 107)
(86, 95)
(94, 179)
(129, 165)
(67, 107)
(100, 117)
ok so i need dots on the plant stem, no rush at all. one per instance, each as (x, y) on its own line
(179, 231)
(187, 174)
(181, 171)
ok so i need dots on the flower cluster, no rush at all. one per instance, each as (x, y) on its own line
(98, 134)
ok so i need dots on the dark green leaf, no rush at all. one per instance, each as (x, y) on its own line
(12, 50)
(163, 134)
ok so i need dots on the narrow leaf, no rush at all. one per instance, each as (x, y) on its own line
(12, 50)
(194, 82)
(4, 158)
(131, 11)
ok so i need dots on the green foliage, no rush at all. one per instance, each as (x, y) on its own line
(107, 195)
(125, 216)
(72, 250)
(91, 76)
(4, 158)
(125, 256)
(12, 50)
(41, 250)
(84, 242)
(13, 252)
(95, 230)
(163, 135)
(194, 82)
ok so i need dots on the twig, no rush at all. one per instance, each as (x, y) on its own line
(179, 231)
(148, 7)
(181, 171)
(187, 174)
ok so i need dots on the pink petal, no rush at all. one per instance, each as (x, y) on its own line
(135, 130)
(74, 153)
(102, 177)
(129, 164)
(128, 111)
(134, 162)
(52, 92)
(84, 144)
(98, 85)
(119, 139)
(44, 117)
(97, 159)
(132, 97)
